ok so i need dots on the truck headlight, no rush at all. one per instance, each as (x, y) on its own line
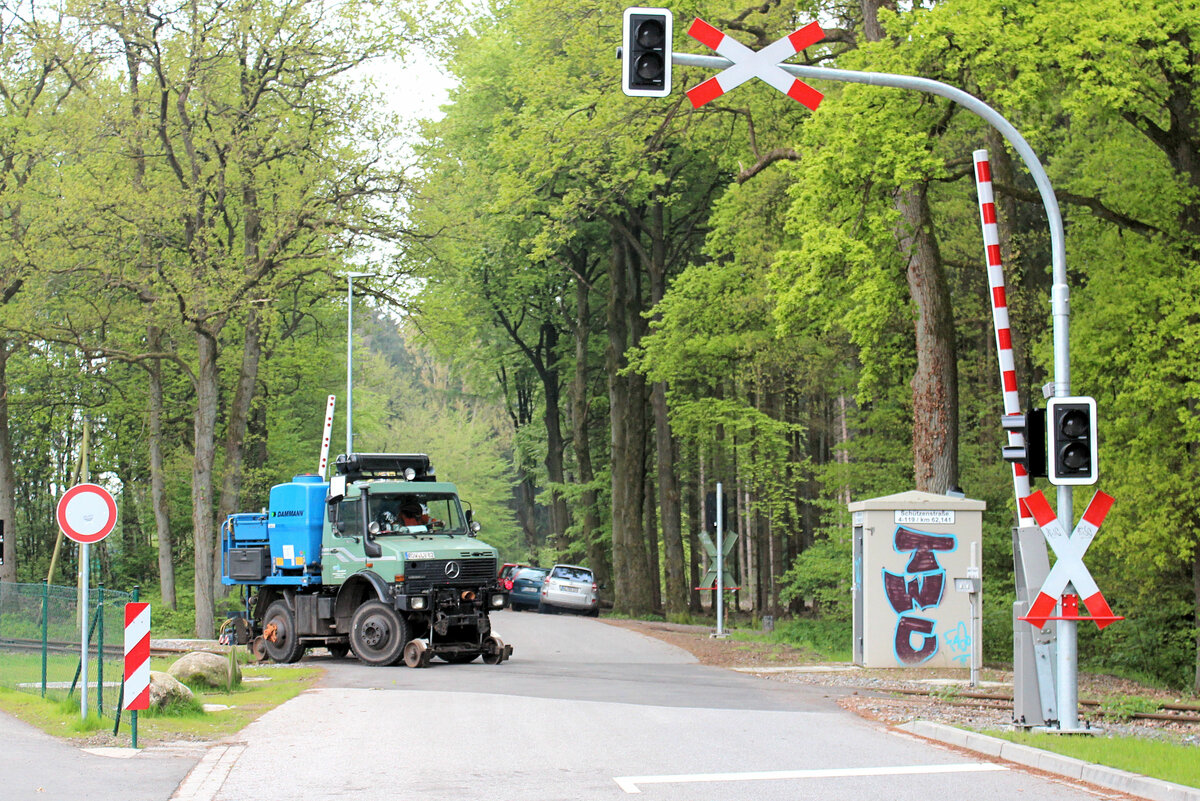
(498, 600)
(416, 602)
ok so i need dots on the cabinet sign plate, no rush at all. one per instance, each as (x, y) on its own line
(927, 517)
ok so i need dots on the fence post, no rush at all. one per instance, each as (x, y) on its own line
(45, 625)
(100, 650)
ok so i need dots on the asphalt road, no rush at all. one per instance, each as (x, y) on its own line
(584, 711)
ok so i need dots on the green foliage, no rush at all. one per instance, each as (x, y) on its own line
(1124, 707)
(178, 707)
(822, 574)
(831, 638)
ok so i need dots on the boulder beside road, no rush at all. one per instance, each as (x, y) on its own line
(165, 688)
(207, 669)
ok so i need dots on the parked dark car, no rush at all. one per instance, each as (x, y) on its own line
(506, 574)
(526, 591)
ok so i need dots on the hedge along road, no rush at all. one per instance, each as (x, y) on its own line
(583, 710)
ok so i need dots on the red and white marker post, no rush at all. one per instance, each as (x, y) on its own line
(1000, 322)
(749, 64)
(86, 513)
(324, 461)
(136, 690)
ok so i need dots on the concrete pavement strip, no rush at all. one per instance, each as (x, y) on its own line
(1111, 778)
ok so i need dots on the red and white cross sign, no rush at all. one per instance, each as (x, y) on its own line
(137, 656)
(1069, 568)
(748, 64)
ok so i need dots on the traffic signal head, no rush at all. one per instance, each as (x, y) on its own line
(646, 52)
(1031, 426)
(1072, 440)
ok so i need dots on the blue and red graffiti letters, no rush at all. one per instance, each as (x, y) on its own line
(920, 588)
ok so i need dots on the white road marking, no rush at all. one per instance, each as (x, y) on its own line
(209, 774)
(630, 783)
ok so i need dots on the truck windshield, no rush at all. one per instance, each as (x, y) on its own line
(397, 513)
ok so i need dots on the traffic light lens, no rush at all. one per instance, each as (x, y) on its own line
(1075, 457)
(649, 67)
(650, 33)
(1075, 424)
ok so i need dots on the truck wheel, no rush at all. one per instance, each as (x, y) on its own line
(378, 634)
(279, 634)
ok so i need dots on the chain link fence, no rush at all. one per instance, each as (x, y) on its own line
(41, 636)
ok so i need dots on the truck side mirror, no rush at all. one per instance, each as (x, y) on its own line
(337, 489)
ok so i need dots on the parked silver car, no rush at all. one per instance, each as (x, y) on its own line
(571, 588)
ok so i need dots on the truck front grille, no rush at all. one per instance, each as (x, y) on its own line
(426, 574)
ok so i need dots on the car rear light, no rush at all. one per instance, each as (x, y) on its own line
(508, 584)
(594, 587)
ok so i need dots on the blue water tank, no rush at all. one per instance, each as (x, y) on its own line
(294, 522)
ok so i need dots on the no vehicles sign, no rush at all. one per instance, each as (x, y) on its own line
(87, 513)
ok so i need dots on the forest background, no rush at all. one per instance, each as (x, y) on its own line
(590, 308)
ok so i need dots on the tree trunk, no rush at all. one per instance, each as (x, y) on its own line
(8, 570)
(560, 517)
(935, 383)
(158, 492)
(238, 416)
(589, 520)
(627, 423)
(670, 508)
(204, 425)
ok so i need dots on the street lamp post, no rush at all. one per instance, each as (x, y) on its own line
(350, 357)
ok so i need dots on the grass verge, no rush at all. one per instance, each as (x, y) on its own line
(263, 688)
(1172, 762)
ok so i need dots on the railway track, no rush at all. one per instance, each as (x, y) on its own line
(115, 651)
(1168, 712)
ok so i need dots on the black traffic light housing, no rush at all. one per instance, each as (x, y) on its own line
(1072, 440)
(646, 52)
(1032, 427)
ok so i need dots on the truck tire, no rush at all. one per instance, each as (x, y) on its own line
(279, 634)
(378, 634)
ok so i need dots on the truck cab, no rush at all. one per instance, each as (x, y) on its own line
(383, 559)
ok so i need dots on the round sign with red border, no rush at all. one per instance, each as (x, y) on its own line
(87, 513)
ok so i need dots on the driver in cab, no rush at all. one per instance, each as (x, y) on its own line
(412, 514)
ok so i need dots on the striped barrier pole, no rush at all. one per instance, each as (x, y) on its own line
(136, 689)
(324, 461)
(1004, 351)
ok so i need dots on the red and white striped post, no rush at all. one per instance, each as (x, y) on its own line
(1004, 351)
(324, 461)
(136, 691)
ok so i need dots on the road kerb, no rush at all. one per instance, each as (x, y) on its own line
(1101, 775)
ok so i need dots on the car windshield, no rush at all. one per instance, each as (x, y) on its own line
(436, 511)
(572, 573)
(530, 574)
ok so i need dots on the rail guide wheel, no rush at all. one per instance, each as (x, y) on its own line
(417, 654)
